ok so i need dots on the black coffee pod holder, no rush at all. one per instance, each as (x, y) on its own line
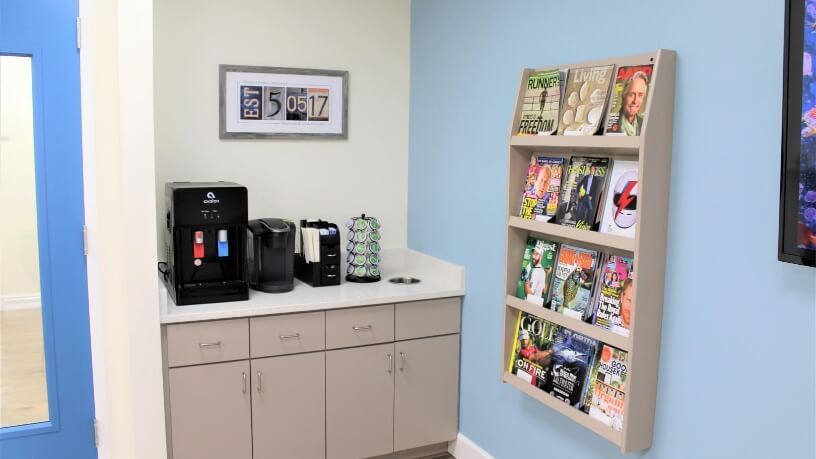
(327, 270)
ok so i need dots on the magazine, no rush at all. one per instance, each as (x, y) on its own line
(532, 349)
(620, 207)
(616, 285)
(582, 191)
(536, 271)
(539, 200)
(606, 396)
(584, 102)
(540, 103)
(573, 357)
(574, 280)
(627, 107)
(564, 73)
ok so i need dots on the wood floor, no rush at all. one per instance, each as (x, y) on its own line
(23, 396)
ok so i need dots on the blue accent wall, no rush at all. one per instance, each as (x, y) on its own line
(737, 350)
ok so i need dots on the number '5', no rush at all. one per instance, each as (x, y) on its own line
(277, 103)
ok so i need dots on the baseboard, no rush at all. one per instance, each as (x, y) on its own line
(423, 452)
(19, 302)
(464, 448)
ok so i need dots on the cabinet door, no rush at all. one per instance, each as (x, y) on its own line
(426, 391)
(289, 406)
(210, 411)
(360, 402)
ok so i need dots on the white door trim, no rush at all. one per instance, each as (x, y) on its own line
(95, 312)
(119, 185)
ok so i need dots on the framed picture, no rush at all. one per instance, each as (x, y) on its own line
(266, 102)
(797, 209)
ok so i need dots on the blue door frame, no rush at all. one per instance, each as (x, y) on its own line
(45, 31)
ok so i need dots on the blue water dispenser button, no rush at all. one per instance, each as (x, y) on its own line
(223, 245)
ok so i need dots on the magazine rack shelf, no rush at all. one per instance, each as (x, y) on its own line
(568, 411)
(652, 150)
(601, 334)
(617, 146)
(591, 239)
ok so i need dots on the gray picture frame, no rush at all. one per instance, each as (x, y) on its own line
(264, 130)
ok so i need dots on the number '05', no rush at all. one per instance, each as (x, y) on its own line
(296, 103)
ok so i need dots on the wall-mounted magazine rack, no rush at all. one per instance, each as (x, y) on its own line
(652, 150)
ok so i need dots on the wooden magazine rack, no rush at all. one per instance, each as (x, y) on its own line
(652, 150)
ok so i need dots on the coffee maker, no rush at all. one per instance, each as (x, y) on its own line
(205, 242)
(270, 254)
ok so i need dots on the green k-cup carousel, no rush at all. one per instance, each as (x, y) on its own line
(363, 249)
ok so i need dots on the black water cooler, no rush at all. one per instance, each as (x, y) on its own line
(205, 242)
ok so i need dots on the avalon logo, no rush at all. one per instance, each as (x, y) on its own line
(211, 198)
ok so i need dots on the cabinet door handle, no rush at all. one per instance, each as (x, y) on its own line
(294, 336)
(206, 345)
(390, 363)
(243, 375)
(356, 328)
(259, 381)
(402, 361)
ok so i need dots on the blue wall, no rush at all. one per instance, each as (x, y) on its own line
(737, 351)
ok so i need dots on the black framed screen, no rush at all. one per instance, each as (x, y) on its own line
(797, 216)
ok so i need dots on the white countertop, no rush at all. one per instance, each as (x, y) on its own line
(440, 279)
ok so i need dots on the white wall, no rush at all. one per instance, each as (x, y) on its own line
(19, 252)
(295, 179)
(117, 121)
(367, 38)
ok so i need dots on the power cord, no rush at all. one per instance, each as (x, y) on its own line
(165, 271)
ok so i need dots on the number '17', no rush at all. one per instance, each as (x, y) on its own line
(323, 99)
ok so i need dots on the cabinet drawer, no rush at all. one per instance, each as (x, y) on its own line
(359, 326)
(287, 334)
(207, 342)
(418, 319)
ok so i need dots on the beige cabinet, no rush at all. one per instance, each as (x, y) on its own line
(359, 326)
(426, 391)
(207, 342)
(287, 334)
(360, 402)
(210, 411)
(419, 319)
(288, 406)
(340, 384)
(391, 397)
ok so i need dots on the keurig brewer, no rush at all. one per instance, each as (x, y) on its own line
(270, 254)
(205, 242)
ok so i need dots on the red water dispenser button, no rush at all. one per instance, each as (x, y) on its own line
(198, 244)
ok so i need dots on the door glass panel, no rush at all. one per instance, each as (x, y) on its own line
(23, 394)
